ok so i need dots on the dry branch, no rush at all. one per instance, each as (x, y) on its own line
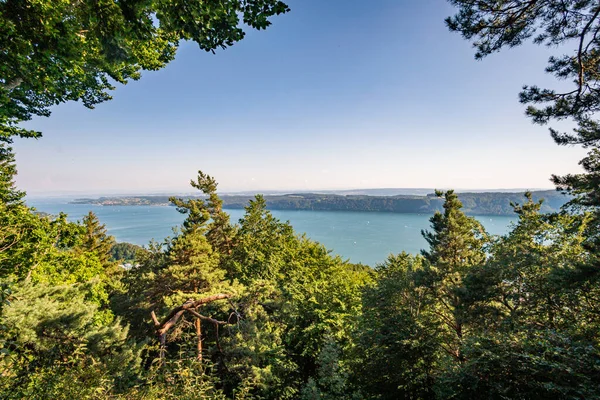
(189, 306)
(176, 313)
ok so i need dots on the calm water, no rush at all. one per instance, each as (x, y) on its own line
(359, 236)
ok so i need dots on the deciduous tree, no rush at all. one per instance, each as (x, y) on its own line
(65, 50)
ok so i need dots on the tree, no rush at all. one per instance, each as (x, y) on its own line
(207, 214)
(495, 24)
(61, 346)
(125, 252)
(396, 340)
(586, 188)
(95, 239)
(543, 276)
(524, 281)
(58, 51)
(195, 306)
(331, 380)
(176, 282)
(9, 195)
(525, 318)
(164, 284)
(456, 245)
(523, 365)
(263, 245)
(570, 24)
(306, 293)
(13, 212)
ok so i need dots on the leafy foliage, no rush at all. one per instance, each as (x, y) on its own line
(397, 338)
(467, 323)
(59, 51)
(124, 252)
(62, 346)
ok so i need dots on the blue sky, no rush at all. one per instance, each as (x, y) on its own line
(336, 94)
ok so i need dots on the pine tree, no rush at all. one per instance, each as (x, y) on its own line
(9, 195)
(169, 282)
(493, 25)
(192, 270)
(586, 189)
(528, 281)
(263, 245)
(456, 244)
(207, 214)
(62, 346)
(95, 238)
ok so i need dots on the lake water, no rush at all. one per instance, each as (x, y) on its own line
(365, 237)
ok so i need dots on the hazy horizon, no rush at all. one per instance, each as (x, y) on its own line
(82, 194)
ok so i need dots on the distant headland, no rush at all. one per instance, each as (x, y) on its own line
(477, 203)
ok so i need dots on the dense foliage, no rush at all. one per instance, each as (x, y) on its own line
(124, 252)
(254, 311)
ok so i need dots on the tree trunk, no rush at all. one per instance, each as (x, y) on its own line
(198, 324)
(171, 320)
(163, 343)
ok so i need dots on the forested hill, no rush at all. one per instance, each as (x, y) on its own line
(493, 203)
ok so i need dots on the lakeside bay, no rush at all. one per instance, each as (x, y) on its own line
(366, 237)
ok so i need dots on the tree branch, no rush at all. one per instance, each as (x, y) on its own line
(12, 84)
(154, 319)
(580, 53)
(176, 313)
(211, 320)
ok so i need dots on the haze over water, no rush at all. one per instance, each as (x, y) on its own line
(365, 237)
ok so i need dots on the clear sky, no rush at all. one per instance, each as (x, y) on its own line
(336, 94)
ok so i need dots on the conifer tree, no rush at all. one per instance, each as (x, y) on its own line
(456, 244)
(62, 346)
(496, 24)
(263, 245)
(527, 282)
(95, 238)
(534, 333)
(457, 241)
(192, 269)
(9, 195)
(586, 191)
(175, 282)
(207, 214)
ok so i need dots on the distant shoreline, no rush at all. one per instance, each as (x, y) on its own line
(485, 203)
